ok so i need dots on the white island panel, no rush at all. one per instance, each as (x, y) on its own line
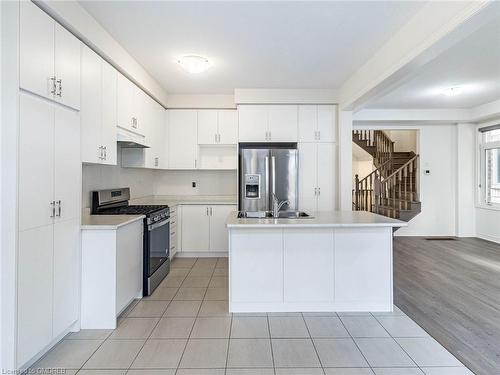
(256, 271)
(363, 269)
(308, 263)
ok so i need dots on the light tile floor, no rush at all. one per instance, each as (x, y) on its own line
(185, 328)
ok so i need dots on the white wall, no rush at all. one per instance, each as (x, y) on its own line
(487, 219)
(207, 182)
(404, 140)
(362, 168)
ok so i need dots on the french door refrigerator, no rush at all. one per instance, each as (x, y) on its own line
(265, 169)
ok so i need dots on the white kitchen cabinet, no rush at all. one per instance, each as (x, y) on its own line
(259, 250)
(228, 126)
(67, 67)
(49, 57)
(317, 176)
(326, 180)
(36, 162)
(253, 123)
(267, 123)
(34, 292)
(126, 116)
(109, 113)
(204, 227)
(308, 278)
(111, 275)
(282, 123)
(195, 228)
(91, 107)
(208, 128)
(218, 230)
(153, 157)
(217, 127)
(98, 109)
(67, 164)
(66, 274)
(182, 139)
(317, 123)
(49, 216)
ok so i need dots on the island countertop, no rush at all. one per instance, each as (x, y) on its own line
(327, 219)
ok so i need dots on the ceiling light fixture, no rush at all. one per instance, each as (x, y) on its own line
(194, 63)
(452, 91)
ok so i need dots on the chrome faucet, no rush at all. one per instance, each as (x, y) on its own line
(277, 205)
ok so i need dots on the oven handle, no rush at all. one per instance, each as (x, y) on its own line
(157, 225)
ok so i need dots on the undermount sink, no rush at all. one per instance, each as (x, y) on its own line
(268, 214)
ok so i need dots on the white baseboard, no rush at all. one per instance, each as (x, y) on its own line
(487, 237)
(201, 254)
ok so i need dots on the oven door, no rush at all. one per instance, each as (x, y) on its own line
(157, 245)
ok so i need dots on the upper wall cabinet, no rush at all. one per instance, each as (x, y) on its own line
(317, 123)
(98, 109)
(217, 127)
(182, 138)
(131, 106)
(268, 123)
(49, 57)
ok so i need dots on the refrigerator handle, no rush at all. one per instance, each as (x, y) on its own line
(273, 175)
(267, 182)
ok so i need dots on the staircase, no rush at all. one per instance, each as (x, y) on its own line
(392, 188)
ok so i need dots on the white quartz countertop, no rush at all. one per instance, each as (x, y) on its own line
(174, 200)
(327, 219)
(107, 222)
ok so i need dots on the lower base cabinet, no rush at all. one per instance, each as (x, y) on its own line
(47, 286)
(203, 227)
(111, 273)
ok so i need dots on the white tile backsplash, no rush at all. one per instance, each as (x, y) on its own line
(207, 182)
(147, 182)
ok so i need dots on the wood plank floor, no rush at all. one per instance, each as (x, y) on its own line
(452, 290)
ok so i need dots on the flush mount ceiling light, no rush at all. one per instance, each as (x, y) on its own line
(193, 63)
(452, 91)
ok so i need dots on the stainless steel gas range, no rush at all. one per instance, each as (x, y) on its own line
(156, 262)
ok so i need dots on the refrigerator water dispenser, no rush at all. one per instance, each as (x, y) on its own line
(252, 186)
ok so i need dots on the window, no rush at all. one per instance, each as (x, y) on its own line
(490, 165)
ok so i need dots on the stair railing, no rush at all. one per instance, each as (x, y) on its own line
(398, 190)
(384, 146)
(364, 191)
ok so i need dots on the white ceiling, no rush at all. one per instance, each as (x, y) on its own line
(257, 44)
(473, 63)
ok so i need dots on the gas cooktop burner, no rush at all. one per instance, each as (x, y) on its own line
(132, 210)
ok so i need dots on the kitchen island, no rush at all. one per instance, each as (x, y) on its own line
(335, 261)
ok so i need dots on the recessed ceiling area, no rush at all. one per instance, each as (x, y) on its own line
(471, 65)
(252, 44)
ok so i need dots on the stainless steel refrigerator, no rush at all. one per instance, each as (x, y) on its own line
(265, 169)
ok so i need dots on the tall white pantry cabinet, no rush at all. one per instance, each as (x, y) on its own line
(49, 183)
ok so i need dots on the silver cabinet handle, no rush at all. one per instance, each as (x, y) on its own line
(270, 135)
(59, 82)
(319, 191)
(315, 191)
(319, 135)
(215, 138)
(53, 208)
(100, 152)
(210, 211)
(52, 85)
(207, 211)
(218, 135)
(59, 208)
